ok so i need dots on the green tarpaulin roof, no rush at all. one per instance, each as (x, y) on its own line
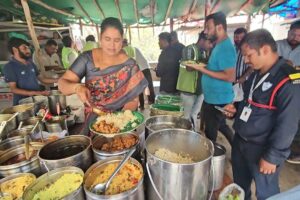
(129, 11)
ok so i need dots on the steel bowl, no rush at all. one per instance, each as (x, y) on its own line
(25, 111)
(99, 141)
(11, 125)
(43, 181)
(72, 150)
(32, 165)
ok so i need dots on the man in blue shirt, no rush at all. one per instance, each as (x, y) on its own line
(20, 72)
(217, 77)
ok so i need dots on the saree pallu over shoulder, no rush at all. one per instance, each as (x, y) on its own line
(116, 86)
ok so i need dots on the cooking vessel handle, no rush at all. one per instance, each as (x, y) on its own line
(152, 182)
(45, 165)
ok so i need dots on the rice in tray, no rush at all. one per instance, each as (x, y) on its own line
(170, 156)
(119, 120)
(66, 184)
(126, 179)
(17, 186)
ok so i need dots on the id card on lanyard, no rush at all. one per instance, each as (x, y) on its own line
(245, 115)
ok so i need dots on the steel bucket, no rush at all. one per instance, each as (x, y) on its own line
(25, 111)
(32, 165)
(11, 125)
(168, 180)
(136, 193)
(99, 154)
(72, 150)
(161, 122)
(218, 160)
(43, 181)
(56, 97)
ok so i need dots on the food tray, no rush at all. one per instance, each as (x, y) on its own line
(128, 127)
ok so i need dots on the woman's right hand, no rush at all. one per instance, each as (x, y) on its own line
(83, 93)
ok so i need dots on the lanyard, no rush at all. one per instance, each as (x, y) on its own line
(257, 85)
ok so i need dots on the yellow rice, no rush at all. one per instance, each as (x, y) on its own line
(63, 186)
(170, 156)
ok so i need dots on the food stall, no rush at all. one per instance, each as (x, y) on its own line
(40, 159)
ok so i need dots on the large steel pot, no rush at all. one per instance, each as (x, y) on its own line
(39, 102)
(43, 181)
(161, 122)
(56, 98)
(11, 125)
(20, 132)
(25, 111)
(218, 160)
(14, 177)
(72, 150)
(173, 180)
(32, 165)
(99, 154)
(136, 193)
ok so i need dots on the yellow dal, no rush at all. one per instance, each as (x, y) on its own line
(17, 186)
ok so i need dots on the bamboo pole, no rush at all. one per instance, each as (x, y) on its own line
(168, 13)
(119, 10)
(44, 5)
(136, 14)
(81, 27)
(215, 7)
(98, 34)
(84, 11)
(192, 8)
(244, 6)
(99, 8)
(33, 35)
(171, 24)
(129, 33)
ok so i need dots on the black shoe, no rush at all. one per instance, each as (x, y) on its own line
(294, 159)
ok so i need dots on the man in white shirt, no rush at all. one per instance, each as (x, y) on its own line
(290, 49)
(49, 55)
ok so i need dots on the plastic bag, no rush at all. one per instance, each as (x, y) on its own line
(226, 193)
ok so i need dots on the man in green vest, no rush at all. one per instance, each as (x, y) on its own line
(90, 43)
(68, 54)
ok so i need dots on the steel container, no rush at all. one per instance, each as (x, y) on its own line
(56, 97)
(14, 176)
(98, 141)
(25, 111)
(9, 143)
(218, 166)
(32, 165)
(43, 181)
(161, 122)
(56, 124)
(39, 102)
(11, 125)
(174, 180)
(32, 121)
(137, 193)
(72, 150)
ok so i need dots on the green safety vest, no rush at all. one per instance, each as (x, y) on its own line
(66, 51)
(130, 51)
(89, 46)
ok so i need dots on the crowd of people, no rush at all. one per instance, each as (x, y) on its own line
(253, 80)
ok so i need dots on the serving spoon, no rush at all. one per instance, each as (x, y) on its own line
(100, 188)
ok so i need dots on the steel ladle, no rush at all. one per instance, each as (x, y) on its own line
(100, 188)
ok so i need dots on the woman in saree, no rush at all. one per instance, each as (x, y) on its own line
(113, 81)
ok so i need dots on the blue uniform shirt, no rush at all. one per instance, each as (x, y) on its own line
(273, 129)
(25, 76)
(216, 91)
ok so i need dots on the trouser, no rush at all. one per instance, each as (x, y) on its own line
(192, 104)
(245, 166)
(215, 121)
(151, 98)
